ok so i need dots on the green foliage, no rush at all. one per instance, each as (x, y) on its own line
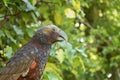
(92, 52)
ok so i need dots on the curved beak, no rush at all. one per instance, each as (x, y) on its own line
(62, 36)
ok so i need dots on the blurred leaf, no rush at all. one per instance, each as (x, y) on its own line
(60, 55)
(17, 30)
(69, 13)
(45, 77)
(58, 18)
(82, 27)
(1, 33)
(5, 2)
(53, 74)
(9, 36)
(29, 6)
(93, 29)
(33, 2)
(34, 17)
(76, 5)
(8, 51)
(25, 17)
(30, 32)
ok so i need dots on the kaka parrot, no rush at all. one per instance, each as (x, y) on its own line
(29, 62)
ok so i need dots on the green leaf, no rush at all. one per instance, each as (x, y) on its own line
(8, 50)
(9, 36)
(60, 55)
(34, 17)
(30, 32)
(52, 76)
(17, 30)
(53, 72)
(58, 18)
(29, 5)
(1, 33)
(33, 2)
(45, 77)
(5, 2)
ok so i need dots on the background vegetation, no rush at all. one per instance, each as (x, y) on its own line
(93, 28)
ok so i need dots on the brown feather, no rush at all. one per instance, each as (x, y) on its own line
(29, 62)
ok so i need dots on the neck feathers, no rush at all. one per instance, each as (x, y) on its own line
(42, 56)
(40, 45)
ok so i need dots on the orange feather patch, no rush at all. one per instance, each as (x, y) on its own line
(47, 31)
(33, 65)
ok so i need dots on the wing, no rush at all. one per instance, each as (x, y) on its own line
(17, 65)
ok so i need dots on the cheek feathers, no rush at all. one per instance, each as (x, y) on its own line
(51, 36)
(47, 31)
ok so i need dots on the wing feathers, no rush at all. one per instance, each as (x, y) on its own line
(19, 63)
(15, 68)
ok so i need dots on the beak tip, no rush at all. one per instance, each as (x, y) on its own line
(63, 35)
(66, 39)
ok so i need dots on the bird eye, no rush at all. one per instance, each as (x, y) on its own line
(53, 29)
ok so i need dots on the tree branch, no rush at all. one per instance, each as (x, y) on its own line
(7, 17)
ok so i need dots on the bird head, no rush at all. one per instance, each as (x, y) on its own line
(50, 34)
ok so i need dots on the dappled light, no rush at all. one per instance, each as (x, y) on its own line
(92, 51)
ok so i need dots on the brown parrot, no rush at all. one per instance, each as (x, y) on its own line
(29, 62)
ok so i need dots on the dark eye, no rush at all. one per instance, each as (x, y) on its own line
(54, 29)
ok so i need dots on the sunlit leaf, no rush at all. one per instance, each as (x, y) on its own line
(92, 27)
(60, 55)
(29, 6)
(6, 3)
(33, 2)
(82, 27)
(17, 30)
(52, 76)
(58, 18)
(53, 72)
(8, 51)
(69, 13)
(76, 5)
